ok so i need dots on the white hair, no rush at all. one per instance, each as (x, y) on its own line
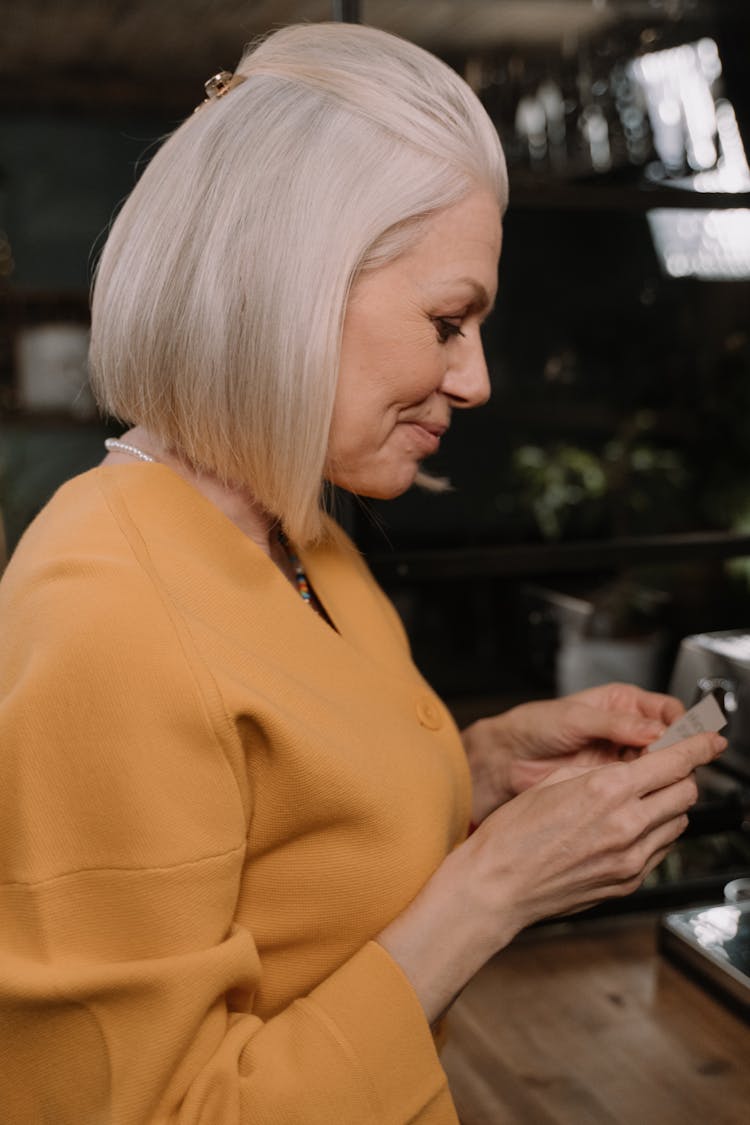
(220, 295)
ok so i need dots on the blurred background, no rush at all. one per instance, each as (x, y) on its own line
(601, 502)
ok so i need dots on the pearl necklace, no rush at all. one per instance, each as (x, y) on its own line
(112, 443)
(300, 578)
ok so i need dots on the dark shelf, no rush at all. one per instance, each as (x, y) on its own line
(552, 558)
(19, 295)
(529, 192)
(47, 420)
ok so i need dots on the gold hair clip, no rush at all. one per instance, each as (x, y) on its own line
(218, 85)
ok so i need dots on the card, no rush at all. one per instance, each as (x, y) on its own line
(705, 715)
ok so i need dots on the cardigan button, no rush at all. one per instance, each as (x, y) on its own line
(428, 714)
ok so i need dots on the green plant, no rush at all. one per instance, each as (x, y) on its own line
(625, 488)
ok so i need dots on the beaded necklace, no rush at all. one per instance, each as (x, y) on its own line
(300, 578)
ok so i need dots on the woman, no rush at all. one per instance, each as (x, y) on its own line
(237, 884)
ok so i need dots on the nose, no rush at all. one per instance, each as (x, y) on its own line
(467, 380)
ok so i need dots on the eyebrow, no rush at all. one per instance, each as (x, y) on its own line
(481, 300)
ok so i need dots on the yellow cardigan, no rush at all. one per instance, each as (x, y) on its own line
(210, 802)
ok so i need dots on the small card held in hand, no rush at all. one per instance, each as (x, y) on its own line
(705, 715)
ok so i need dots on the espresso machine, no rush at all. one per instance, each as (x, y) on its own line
(712, 940)
(720, 663)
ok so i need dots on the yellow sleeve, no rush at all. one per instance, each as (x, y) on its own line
(123, 818)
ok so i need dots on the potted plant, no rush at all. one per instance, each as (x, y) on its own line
(615, 632)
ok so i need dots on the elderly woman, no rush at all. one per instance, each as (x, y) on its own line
(237, 884)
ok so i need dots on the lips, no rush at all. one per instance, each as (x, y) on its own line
(437, 429)
(427, 435)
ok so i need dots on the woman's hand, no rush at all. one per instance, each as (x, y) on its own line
(593, 834)
(512, 752)
(555, 849)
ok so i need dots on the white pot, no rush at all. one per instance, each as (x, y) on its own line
(584, 662)
(51, 361)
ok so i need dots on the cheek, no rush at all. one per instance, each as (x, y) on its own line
(370, 395)
(380, 378)
(357, 424)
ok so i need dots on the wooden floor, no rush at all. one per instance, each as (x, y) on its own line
(588, 1025)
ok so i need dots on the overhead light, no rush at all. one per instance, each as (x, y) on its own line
(711, 245)
(694, 128)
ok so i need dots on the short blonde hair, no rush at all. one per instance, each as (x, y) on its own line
(220, 295)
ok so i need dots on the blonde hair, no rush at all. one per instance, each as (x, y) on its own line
(220, 295)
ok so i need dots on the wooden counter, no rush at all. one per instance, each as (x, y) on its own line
(587, 1024)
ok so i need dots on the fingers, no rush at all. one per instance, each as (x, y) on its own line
(658, 856)
(629, 883)
(629, 699)
(641, 859)
(656, 705)
(674, 800)
(664, 767)
(623, 817)
(622, 728)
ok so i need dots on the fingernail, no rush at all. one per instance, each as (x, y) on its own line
(653, 730)
(720, 742)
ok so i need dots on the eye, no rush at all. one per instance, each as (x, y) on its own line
(446, 327)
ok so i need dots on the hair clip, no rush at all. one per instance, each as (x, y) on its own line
(218, 85)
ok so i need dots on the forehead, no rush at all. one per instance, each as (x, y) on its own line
(460, 247)
(455, 259)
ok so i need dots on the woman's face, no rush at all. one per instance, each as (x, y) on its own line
(412, 352)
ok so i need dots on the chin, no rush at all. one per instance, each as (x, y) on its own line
(381, 488)
(377, 492)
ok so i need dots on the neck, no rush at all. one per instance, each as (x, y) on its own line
(237, 504)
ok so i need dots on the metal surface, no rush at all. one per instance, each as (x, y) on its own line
(713, 943)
